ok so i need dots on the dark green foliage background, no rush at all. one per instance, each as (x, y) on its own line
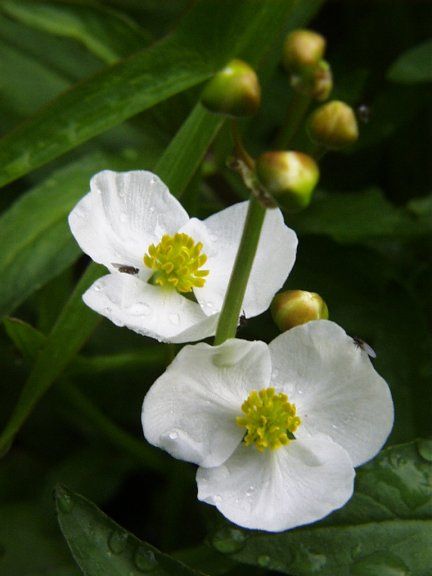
(365, 246)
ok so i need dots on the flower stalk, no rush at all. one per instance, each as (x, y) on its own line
(232, 305)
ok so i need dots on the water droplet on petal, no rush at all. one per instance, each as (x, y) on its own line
(173, 435)
(250, 491)
(174, 318)
(118, 541)
(97, 287)
(145, 559)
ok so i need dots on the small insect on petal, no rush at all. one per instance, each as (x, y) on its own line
(359, 343)
(125, 269)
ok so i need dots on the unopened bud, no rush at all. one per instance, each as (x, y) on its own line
(302, 49)
(295, 307)
(322, 83)
(234, 91)
(289, 176)
(333, 125)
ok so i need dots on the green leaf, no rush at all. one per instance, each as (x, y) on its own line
(182, 158)
(360, 217)
(27, 339)
(212, 32)
(73, 327)
(105, 32)
(413, 66)
(36, 243)
(385, 529)
(103, 548)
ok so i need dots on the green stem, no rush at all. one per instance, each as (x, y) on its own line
(232, 305)
(297, 108)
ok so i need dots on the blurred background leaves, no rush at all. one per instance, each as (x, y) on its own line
(87, 85)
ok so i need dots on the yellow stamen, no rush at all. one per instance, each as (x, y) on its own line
(176, 261)
(269, 419)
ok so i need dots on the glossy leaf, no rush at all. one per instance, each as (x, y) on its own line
(413, 66)
(106, 33)
(385, 529)
(209, 34)
(103, 548)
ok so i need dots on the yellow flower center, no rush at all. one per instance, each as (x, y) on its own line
(269, 419)
(176, 262)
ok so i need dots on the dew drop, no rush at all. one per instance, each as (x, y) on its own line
(380, 564)
(264, 561)
(174, 318)
(117, 541)
(173, 435)
(425, 449)
(145, 560)
(229, 540)
(97, 287)
(64, 501)
(250, 491)
(217, 499)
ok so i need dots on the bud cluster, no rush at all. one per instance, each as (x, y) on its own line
(302, 58)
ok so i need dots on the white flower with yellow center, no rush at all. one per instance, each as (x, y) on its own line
(168, 272)
(276, 429)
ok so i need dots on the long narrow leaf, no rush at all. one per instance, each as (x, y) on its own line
(212, 32)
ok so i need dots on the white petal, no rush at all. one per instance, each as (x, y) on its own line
(220, 234)
(148, 310)
(334, 386)
(122, 215)
(277, 490)
(191, 410)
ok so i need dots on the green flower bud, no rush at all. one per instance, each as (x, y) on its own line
(234, 91)
(295, 307)
(302, 49)
(289, 176)
(333, 125)
(322, 83)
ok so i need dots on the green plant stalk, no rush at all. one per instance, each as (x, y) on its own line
(297, 108)
(232, 305)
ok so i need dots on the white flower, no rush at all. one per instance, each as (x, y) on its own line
(276, 430)
(158, 257)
